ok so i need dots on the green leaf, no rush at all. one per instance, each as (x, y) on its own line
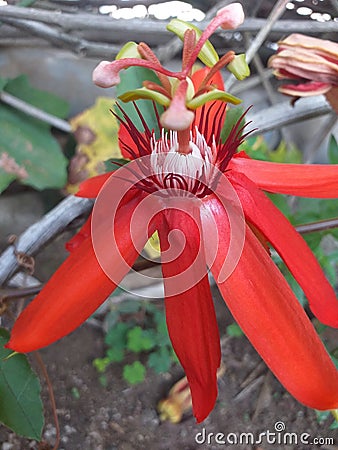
(129, 307)
(162, 330)
(26, 3)
(160, 360)
(234, 330)
(333, 150)
(322, 416)
(116, 353)
(47, 101)
(281, 201)
(103, 380)
(132, 78)
(5, 179)
(114, 164)
(139, 340)
(334, 425)
(134, 373)
(257, 148)
(3, 82)
(116, 339)
(232, 117)
(285, 153)
(21, 407)
(96, 131)
(75, 393)
(27, 143)
(208, 54)
(101, 364)
(117, 334)
(31, 148)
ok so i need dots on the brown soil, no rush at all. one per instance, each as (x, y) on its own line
(121, 417)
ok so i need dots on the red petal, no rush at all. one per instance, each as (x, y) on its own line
(127, 141)
(305, 89)
(190, 314)
(269, 314)
(73, 293)
(200, 74)
(296, 254)
(80, 236)
(91, 187)
(305, 180)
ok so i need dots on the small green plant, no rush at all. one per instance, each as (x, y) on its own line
(137, 327)
(234, 330)
(322, 416)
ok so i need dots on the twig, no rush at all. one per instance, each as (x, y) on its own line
(321, 225)
(284, 113)
(251, 82)
(264, 397)
(42, 231)
(321, 135)
(51, 397)
(271, 93)
(12, 293)
(35, 112)
(253, 374)
(276, 12)
(94, 22)
(64, 40)
(169, 50)
(276, 116)
(245, 392)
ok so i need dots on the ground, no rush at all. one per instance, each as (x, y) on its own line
(124, 417)
(121, 417)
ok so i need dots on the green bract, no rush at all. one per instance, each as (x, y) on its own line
(215, 94)
(129, 50)
(208, 54)
(239, 67)
(147, 94)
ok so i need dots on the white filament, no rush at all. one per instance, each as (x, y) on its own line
(193, 167)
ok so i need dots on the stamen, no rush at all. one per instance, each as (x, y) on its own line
(224, 60)
(188, 46)
(147, 53)
(234, 140)
(229, 17)
(175, 181)
(155, 87)
(106, 74)
(196, 172)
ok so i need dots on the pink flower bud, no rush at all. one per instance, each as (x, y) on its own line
(233, 15)
(105, 75)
